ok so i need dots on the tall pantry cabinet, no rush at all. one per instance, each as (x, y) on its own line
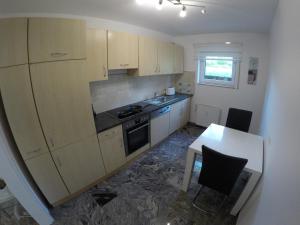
(19, 105)
(48, 106)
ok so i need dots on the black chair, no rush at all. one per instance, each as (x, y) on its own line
(239, 119)
(219, 172)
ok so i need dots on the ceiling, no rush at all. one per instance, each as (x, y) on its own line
(222, 15)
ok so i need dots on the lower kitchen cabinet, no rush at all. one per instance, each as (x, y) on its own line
(179, 115)
(46, 176)
(160, 126)
(112, 148)
(80, 164)
(175, 117)
(185, 114)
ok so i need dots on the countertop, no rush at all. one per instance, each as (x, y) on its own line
(106, 120)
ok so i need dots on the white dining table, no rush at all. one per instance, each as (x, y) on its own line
(234, 143)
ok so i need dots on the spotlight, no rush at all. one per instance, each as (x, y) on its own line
(203, 11)
(140, 2)
(183, 12)
(159, 5)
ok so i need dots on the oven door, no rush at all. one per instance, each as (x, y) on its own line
(137, 137)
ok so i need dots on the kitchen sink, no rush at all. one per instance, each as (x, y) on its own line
(161, 100)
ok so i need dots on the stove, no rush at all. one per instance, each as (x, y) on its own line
(136, 125)
(126, 112)
(130, 111)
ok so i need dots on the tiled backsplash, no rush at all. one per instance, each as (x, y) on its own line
(121, 89)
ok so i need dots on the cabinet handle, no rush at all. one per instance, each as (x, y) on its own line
(58, 161)
(51, 142)
(104, 69)
(58, 54)
(35, 150)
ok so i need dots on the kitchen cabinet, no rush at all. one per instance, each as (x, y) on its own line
(185, 111)
(175, 117)
(96, 54)
(112, 147)
(46, 176)
(178, 58)
(148, 56)
(165, 57)
(80, 164)
(13, 42)
(160, 126)
(53, 39)
(122, 50)
(155, 57)
(63, 101)
(179, 115)
(16, 92)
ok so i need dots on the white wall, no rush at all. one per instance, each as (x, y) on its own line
(277, 202)
(246, 96)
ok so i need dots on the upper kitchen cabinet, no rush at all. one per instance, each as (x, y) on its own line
(122, 50)
(52, 39)
(13, 42)
(16, 91)
(148, 56)
(178, 58)
(96, 54)
(80, 164)
(165, 57)
(63, 101)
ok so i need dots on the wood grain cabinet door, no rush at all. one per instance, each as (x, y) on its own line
(148, 56)
(13, 42)
(63, 101)
(112, 147)
(17, 96)
(175, 117)
(165, 57)
(80, 164)
(96, 54)
(53, 39)
(178, 58)
(46, 176)
(122, 50)
(160, 127)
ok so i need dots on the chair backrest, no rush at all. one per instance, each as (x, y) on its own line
(220, 172)
(239, 119)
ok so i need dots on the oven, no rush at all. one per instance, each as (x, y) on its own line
(136, 133)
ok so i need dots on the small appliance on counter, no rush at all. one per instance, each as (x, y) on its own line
(170, 91)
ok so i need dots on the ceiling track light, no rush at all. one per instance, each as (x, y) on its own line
(183, 11)
(159, 5)
(181, 3)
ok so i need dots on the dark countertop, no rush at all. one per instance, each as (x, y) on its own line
(107, 120)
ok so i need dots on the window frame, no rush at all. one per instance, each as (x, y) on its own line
(201, 67)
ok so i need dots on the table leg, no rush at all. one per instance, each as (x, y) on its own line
(254, 178)
(190, 161)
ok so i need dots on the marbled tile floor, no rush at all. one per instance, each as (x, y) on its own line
(148, 192)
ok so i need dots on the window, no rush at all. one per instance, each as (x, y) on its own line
(218, 70)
